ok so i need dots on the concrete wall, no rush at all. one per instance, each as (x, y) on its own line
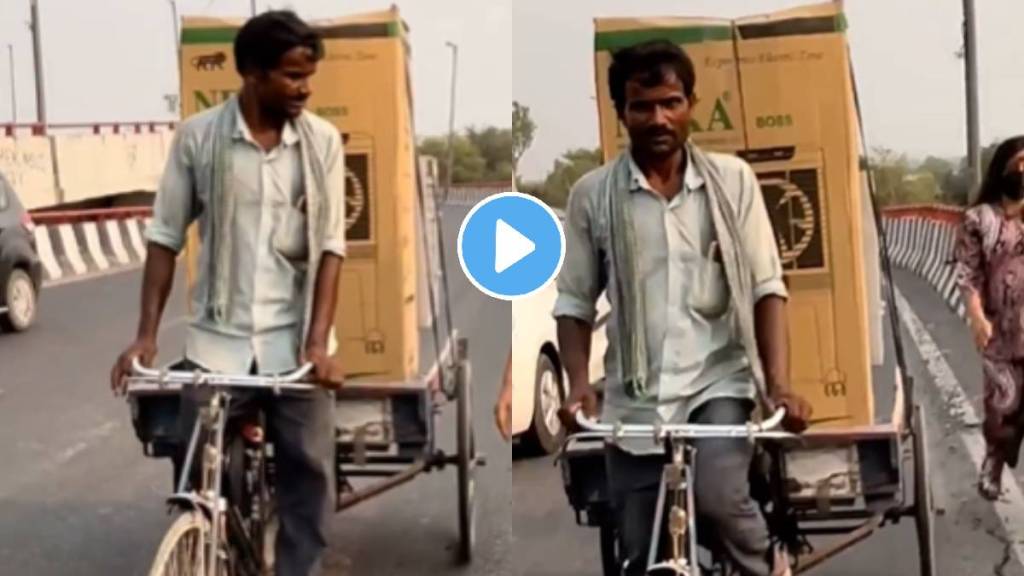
(27, 163)
(60, 169)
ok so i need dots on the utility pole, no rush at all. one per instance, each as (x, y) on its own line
(971, 77)
(37, 51)
(451, 122)
(177, 32)
(252, 7)
(14, 90)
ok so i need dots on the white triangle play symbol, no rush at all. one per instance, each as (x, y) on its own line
(510, 246)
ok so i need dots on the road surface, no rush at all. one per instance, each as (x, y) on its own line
(77, 496)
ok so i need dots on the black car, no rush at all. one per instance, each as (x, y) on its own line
(20, 268)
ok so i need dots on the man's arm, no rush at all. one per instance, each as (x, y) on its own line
(770, 296)
(157, 280)
(173, 213)
(773, 342)
(325, 301)
(579, 286)
(325, 296)
(574, 342)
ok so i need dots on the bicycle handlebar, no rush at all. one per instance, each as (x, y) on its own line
(150, 379)
(764, 430)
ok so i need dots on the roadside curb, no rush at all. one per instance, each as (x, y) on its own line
(71, 246)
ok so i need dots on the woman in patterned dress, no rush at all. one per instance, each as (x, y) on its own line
(989, 253)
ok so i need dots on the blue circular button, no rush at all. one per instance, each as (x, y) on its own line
(511, 245)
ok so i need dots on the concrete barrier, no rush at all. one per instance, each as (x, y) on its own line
(920, 239)
(82, 162)
(27, 163)
(90, 242)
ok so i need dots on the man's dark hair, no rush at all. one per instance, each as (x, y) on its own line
(265, 38)
(648, 63)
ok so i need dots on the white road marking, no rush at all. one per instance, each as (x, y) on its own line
(1009, 508)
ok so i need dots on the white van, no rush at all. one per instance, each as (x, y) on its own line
(539, 383)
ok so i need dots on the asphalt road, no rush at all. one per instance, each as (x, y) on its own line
(970, 537)
(77, 496)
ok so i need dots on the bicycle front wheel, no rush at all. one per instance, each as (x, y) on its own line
(183, 550)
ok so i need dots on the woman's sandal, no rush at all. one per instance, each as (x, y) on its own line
(990, 480)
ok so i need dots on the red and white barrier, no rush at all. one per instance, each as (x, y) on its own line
(920, 239)
(89, 242)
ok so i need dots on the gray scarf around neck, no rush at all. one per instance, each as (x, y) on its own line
(631, 309)
(221, 211)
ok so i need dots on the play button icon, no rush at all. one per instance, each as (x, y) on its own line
(511, 245)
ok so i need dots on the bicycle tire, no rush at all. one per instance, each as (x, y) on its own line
(175, 540)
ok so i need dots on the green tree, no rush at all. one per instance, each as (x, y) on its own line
(572, 166)
(523, 131)
(468, 164)
(496, 148)
(896, 182)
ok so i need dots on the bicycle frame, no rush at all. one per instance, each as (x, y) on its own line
(677, 478)
(213, 419)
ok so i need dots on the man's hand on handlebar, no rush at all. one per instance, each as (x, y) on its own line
(798, 410)
(143, 349)
(581, 398)
(322, 374)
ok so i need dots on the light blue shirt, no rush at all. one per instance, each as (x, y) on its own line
(265, 319)
(695, 352)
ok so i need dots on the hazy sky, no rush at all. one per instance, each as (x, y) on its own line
(910, 81)
(113, 60)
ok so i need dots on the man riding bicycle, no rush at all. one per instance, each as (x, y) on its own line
(681, 241)
(264, 179)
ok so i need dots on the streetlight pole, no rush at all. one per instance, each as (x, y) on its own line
(252, 7)
(971, 81)
(177, 31)
(37, 51)
(14, 90)
(451, 122)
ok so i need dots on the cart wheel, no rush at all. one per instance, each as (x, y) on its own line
(923, 507)
(466, 460)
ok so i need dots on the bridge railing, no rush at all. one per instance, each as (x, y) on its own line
(920, 240)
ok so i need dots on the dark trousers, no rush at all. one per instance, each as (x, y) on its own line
(301, 427)
(728, 517)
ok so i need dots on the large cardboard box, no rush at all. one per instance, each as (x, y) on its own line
(362, 87)
(777, 90)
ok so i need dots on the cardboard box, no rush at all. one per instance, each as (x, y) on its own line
(788, 108)
(362, 88)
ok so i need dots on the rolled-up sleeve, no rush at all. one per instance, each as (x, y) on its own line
(334, 232)
(579, 282)
(759, 240)
(968, 253)
(174, 209)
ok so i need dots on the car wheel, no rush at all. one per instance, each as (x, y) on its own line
(546, 432)
(20, 299)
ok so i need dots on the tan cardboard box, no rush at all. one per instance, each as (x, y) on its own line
(362, 88)
(788, 108)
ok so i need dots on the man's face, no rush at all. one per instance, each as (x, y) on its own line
(657, 115)
(285, 90)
